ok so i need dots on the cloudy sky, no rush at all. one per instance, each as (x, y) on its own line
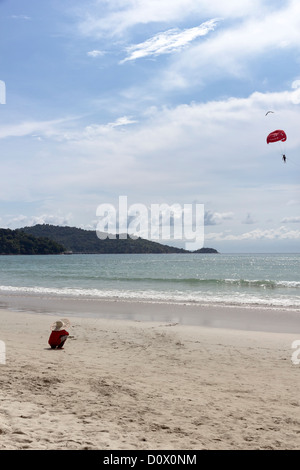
(164, 102)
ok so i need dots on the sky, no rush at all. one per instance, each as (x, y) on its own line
(164, 102)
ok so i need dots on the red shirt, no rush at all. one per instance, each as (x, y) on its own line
(54, 339)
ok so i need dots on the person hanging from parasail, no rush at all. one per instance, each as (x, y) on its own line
(277, 136)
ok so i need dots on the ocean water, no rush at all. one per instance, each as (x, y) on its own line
(256, 280)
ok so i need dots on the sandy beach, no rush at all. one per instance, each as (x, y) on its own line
(122, 383)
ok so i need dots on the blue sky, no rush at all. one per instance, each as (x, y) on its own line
(162, 101)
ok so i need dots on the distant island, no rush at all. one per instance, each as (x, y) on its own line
(52, 239)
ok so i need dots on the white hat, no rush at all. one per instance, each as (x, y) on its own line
(59, 324)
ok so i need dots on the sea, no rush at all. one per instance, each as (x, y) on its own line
(254, 280)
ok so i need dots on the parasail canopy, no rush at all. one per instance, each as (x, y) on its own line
(276, 136)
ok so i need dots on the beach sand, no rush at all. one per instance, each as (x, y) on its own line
(127, 384)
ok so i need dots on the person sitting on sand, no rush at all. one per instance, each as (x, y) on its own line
(58, 335)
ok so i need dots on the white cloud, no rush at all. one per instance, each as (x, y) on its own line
(169, 41)
(234, 46)
(122, 121)
(95, 53)
(216, 218)
(33, 128)
(20, 17)
(60, 129)
(292, 220)
(293, 202)
(240, 122)
(281, 233)
(296, 84)
(115, 18)
(94, 131)
(29, 221)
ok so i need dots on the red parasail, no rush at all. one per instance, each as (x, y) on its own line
(276, 136)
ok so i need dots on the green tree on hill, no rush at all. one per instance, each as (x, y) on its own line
(17, 242)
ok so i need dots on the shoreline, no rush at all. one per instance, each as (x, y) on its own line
(255, 318)
(128, 384)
